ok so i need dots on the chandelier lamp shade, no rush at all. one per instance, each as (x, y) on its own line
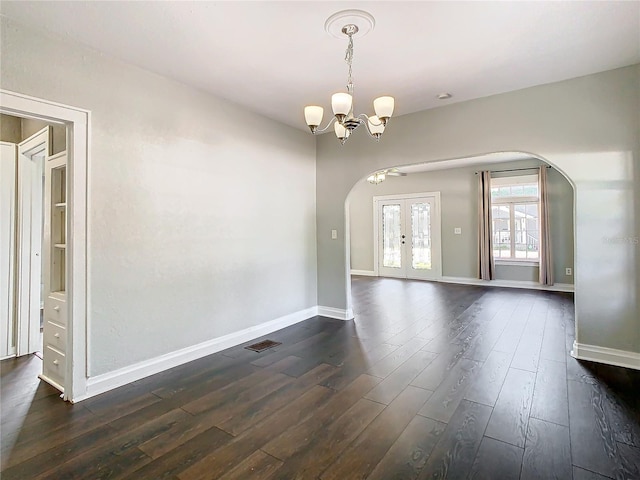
(344, 120)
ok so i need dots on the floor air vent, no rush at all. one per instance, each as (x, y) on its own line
(264, 345)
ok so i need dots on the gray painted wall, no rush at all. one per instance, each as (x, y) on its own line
(459, 208)
(586, 127)
(10, 129)
(192, 235)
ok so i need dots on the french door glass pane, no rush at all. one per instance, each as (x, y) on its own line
(391, 232)
(421, 236)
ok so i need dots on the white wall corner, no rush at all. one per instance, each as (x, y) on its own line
(609, 356)
(336, 313)
(364, 273)
(108, 381)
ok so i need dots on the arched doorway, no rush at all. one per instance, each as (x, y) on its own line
(454, 179)
(597, 152)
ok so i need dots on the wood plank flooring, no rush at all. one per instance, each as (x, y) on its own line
(430, 381)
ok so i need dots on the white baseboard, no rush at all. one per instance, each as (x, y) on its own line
(558, 287)
(108, 381)
(610, 356)
(337, 313)
(364, 273)
(53, 383)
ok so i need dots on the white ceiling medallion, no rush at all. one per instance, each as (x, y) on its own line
(361, 19)
(350, 23)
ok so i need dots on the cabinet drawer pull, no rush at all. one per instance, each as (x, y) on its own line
(56, 308)
(57, 335)
(56, 362)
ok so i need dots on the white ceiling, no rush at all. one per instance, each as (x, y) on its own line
(275, 57)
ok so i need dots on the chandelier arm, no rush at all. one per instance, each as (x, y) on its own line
(322, 130)
(368, 119)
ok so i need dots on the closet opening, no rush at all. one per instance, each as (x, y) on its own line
(33, 251)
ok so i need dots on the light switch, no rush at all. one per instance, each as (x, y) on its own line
(334, 234)
(457, 231)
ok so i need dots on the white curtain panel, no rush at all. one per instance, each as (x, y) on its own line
(546, 253)
(486, 266)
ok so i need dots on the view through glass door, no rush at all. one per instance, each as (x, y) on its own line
(409, 236)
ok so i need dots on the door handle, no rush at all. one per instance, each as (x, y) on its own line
(57, 335)
(56, 308)
(56, 362)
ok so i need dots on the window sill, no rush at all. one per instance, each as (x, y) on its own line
(518, 263)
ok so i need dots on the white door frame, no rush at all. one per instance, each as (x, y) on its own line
(29, 239)
(77, 122)
(8, 193)
(437, 249)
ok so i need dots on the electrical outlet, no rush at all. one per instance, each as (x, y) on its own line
(334, 234)
(457, 231)
(568, 271)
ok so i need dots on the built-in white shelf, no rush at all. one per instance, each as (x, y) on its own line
(55, 311)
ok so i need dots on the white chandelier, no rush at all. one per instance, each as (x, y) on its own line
(344, 121)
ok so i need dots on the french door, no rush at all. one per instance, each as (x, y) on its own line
(408, 236)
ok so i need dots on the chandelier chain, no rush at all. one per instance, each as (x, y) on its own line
(348, 57)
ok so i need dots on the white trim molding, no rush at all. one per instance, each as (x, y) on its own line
(517, 263)
(609, 356)
(337, 313)
(108, 381)
(558, 287)
(364, 273)
(401, 196)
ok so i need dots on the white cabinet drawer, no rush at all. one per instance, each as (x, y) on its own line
(54, 365)
(55, 310)
(55, 336)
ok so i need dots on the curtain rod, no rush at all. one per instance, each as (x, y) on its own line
(515, 169)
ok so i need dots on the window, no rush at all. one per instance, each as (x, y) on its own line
(515, 214)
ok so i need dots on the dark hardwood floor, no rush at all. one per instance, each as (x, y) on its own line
(430, 381)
